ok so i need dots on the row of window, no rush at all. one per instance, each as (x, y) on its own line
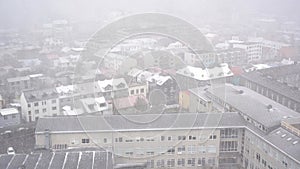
(6, 117)
(44, 110)
(137, 91)
(182, 162)
(228, 146)
(162, 138)
(229, 133)
(42, 103)
(183, 149)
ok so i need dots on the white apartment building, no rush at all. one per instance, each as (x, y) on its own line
(253, 50)
(206, 58)
(39, 103)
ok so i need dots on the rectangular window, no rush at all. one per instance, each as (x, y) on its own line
(229, 133)
(53, 108)
(211, 149)
(192, 137)
(14, 116)
(181, 137)
(162, 138)
(5, 117)
(181, 149)
(28, 105)
(171, 150)
(36, 111)
(228, 146)
(142, 91)
(53, 101)
(181, 162)
(131, 91)
(44, 110)
(191, 161)
(171, 163)
(213, 137)
(36, 104)
(202, 149)
(85, 140)
(137, 91)
(105, 140)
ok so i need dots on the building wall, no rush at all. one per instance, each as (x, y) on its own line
(198, 104)
(206, 59)
(153, 147)
(286, 101)
(9, 120)
(184, 99)
(140, 89)
(258, 154)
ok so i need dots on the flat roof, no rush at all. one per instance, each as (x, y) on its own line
(17, 79)
(8, 111)
(253, 104)
(39, 95)
(138, 122)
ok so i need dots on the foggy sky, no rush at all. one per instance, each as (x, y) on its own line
(23, 13)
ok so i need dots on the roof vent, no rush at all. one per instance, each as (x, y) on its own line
(241, 91)
(278, 132)
(283, 135)
(295, 142)
(269, 106)
(289, 139)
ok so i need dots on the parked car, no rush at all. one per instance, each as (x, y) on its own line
(11, 151)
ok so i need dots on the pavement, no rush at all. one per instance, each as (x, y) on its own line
(20, 137)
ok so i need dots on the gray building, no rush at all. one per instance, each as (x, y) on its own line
(280, 84)
(183, 140)
(9, 117)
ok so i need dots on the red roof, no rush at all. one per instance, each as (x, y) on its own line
(288, 52)
(236, 70)
(126, 102)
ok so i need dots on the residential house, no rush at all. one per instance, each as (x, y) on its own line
(9, 117)
(192, 77)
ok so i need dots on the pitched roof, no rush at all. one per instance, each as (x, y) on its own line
(206, 73)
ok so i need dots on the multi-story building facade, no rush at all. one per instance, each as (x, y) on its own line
(280, 84)
(18, 84)
(194, 142)
(39, 103)
(232, 56)
(188, 140)
(200, 58)
(253, 50)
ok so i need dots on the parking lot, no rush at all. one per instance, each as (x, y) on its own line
(20, 137)
(58, 160)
